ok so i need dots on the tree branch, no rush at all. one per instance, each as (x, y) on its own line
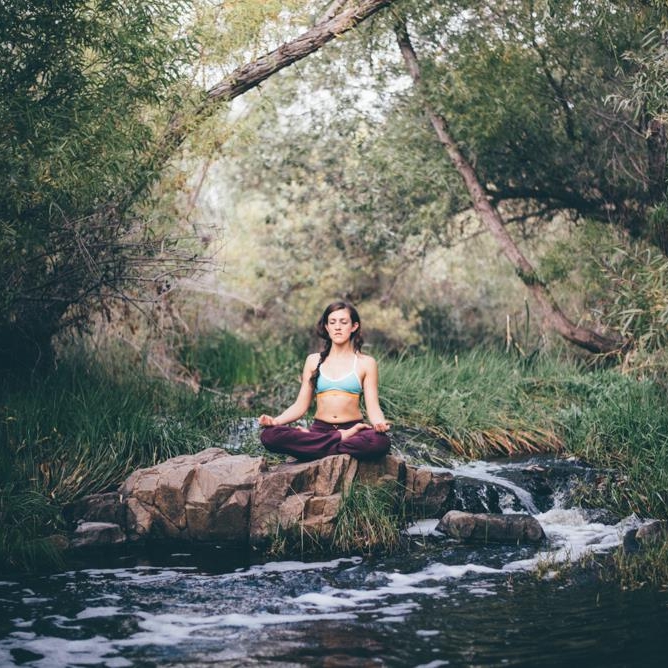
(491, 218)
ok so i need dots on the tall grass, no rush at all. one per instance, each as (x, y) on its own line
(622, 426)
(493, 403)
(83, 429)
(480, 403)
(94, 420)
(370, 519)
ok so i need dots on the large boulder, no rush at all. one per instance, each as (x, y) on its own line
(491, 528)
(201, 497)
(215, 497)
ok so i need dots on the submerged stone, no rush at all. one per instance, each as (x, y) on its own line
(95, 534)
(491, 528)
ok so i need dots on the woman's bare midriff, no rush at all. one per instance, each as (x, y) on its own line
(338, 408)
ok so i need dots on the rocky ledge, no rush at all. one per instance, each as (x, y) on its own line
(215, 497)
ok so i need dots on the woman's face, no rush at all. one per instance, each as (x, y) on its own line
(340, 326)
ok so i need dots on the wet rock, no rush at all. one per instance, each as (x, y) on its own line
(491, 528)
(216, 497)
(477, 496)
(306, 495)
(652, 532)
(427, 492)
(96, 534)
(107, 507)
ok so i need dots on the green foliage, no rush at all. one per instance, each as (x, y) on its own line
(29, 520)
(521, 86)
(369, 520)
(480, 402)
(223, 360)
(646, 568)
(84, 429)
(84, 90)
(620, 422)
(638, 306)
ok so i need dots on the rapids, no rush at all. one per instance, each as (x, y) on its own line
(439, 604)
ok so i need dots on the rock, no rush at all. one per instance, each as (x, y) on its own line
(200, 497)
(427, 493)
(653, 532)
(106, 507)
(216, 497)
(386, 470)
(307, 495)
(492, 528)
(96, 534)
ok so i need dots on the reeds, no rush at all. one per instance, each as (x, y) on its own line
(481, 404)
(83, 429)
(369, 520)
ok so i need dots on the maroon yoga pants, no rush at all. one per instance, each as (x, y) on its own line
(323, 439)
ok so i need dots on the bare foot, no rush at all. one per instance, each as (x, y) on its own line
(347, 433)
(299, 428)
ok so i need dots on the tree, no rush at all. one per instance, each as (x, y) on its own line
(79, 88)
(85, 88)
(554, 317)
(524, 84)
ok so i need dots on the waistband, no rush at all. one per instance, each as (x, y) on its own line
(321, 425)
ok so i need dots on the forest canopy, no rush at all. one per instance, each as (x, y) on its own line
(122, 153)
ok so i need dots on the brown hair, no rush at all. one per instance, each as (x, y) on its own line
(321, 329)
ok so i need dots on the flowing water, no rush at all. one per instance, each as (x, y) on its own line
(440, 604)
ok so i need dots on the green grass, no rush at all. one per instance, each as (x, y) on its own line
(481, 403)
(369, 520)
(493, 403)
(623, 426)
(95, 419)
(83, 429)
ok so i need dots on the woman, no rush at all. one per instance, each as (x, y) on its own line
(337, 376)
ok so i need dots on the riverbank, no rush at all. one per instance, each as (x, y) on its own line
(85, 427)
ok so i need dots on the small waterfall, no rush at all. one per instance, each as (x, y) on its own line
(478, 472)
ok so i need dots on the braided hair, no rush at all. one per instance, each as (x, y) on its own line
(321, 330)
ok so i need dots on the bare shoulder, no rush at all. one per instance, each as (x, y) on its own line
(312, 362)
(367, 362)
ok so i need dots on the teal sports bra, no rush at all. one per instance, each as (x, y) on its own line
(350, 383)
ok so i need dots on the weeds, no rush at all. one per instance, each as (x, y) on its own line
(83, 429)
(370, 519)
(480, 403)
(647, 567)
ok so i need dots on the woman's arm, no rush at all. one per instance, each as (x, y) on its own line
(301, 403)
(371, 402)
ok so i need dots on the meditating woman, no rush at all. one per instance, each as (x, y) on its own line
(337, 376)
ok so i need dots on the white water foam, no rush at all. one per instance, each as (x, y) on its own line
(485, 471)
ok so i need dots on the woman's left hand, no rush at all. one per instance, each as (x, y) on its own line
(381, 427)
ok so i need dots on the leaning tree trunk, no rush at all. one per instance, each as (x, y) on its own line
(250, 75)
(489, 215)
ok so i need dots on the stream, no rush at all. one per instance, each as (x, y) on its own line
(441, 603)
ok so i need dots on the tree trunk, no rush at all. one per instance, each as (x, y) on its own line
(252, 74)
(489, 215)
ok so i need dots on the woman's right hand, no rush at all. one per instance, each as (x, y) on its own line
(267, 421)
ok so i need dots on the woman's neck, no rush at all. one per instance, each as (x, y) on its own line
(342, 350)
